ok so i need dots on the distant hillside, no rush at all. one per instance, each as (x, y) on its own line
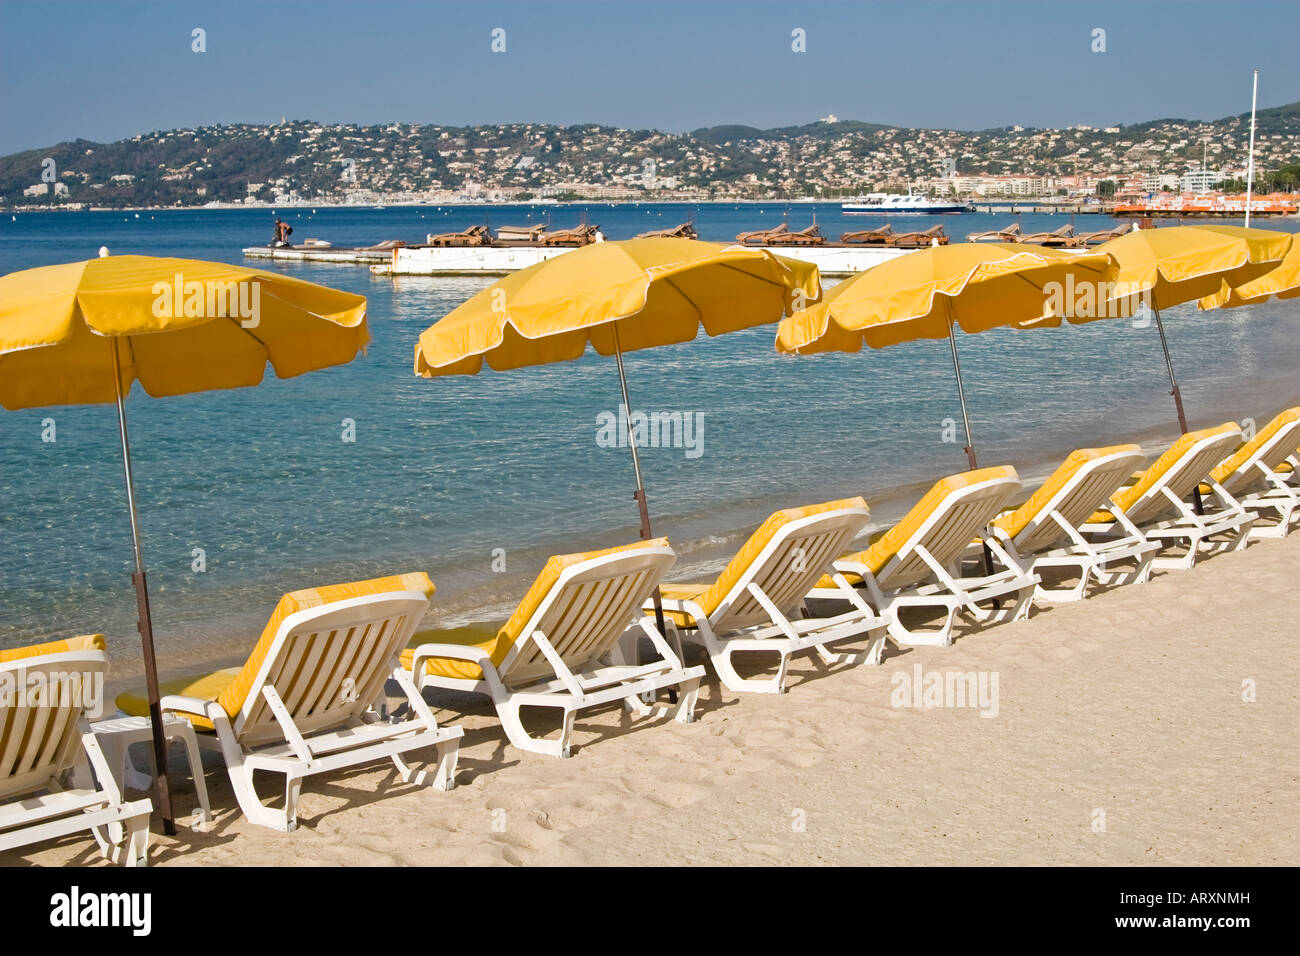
(302, 161)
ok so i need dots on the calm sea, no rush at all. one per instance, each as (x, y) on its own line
(458, 476)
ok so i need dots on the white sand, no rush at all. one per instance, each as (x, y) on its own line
(1128, 703)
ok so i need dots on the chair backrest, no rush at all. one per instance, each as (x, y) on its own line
(328, 664)
(1180, 469)
(954, 512)
(1082, 484)
(789, 565)
(43, 702)
(585, 609)
(1275, 443)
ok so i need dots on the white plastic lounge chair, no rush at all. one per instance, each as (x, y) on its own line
(48, 750)
(308, 699)
(1158, 505)
(1044, 531)
(552, 652)
(1259, 475)
(756, 605)
(917, 563)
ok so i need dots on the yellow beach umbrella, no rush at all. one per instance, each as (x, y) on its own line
(1282, 281)
(928, 294)
(617, 297)
(1161, 268)
(83, 332)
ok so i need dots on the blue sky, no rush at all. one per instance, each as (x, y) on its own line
(113, 68)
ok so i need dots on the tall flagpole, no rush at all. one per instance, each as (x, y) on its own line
(1250, 162)
(145, 621)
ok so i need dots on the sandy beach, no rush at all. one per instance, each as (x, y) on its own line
(1120, 735)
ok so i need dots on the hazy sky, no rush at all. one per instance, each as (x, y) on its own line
(111, 69)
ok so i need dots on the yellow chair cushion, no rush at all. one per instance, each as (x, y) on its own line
(1013, 522)
(498, 646)
(709, 596)
(482, 636)
(888, 544)
(231, 692)
(203, 686)
(1249, 448)
(1125, 498)
(85, 642)
(682, 592)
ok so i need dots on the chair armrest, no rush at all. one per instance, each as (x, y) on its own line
(460, 652)
(180, 704)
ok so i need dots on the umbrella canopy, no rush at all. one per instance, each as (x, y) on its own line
(1282, 281)
(175, 325)
(1176, 264)
(921, 295)
(616, 297)
(927, 294)
(1166, 267)
(83, 332)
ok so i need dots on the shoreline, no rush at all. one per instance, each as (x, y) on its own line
(482, 598)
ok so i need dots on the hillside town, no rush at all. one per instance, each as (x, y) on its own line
(298, 162)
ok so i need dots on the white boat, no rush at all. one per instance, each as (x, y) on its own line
(889, 204)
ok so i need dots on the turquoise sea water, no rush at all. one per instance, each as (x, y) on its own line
(445, 472)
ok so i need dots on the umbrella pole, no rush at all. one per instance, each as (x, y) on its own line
(646, 534)
(145, 622)
(1169, 367)
(970, 443)
(1178, 400)
(961, 394)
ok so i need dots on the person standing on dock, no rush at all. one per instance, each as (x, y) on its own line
(282, 231)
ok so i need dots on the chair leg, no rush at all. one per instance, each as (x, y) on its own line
(636, 706)
(241, 781)
(443, 775)
(727, 673)
(1183, 562)
(942, 637)
(292, 791)
(137, 841)
(203, 815)
(444, 778)
(688, 693)
(508, 711)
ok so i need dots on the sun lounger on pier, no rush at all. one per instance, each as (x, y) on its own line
(1103, 235)
(48, 752)
(552, 652)
(812, 236)
(1158, 505)
(577, 236)
(921, 240)
(308, 699)
(531, 233)
(684, 231)
(1009, 233)
(1062, 238)
(884, 236)
(1044, 531)
(1258, 475)
(762, 237)
(473, 236)
(917, 563)
(756, 605)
